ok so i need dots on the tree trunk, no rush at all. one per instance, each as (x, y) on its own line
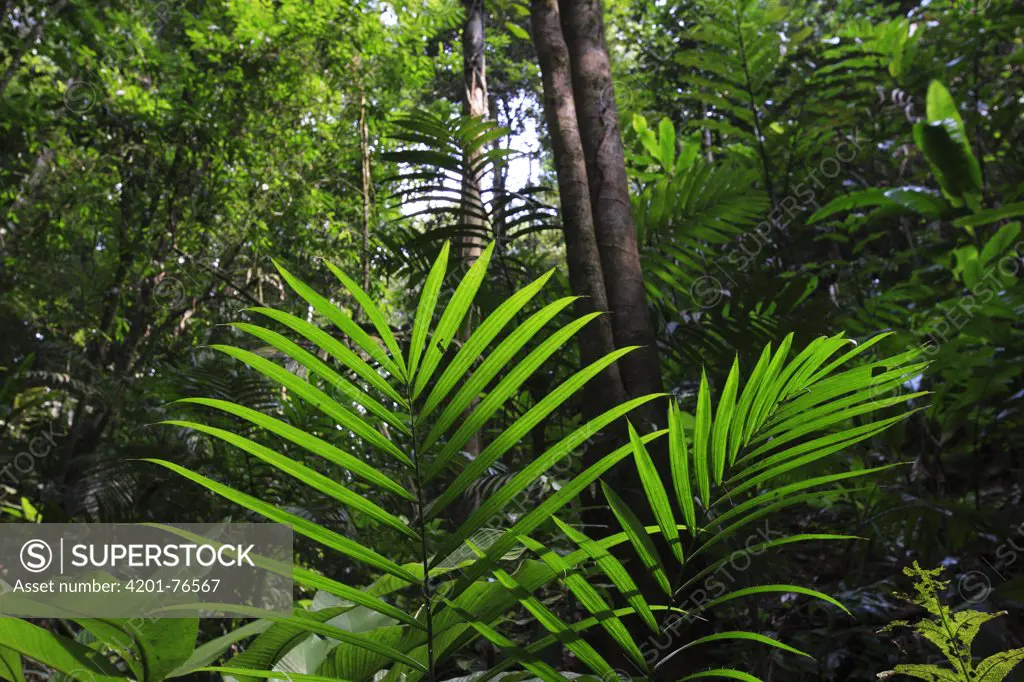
(594, 93)
(367, 185)
(586, 276)
(474, 74)
(600, 176)
(474, 221)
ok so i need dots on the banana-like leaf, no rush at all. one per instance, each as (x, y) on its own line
(153, 647)
(208, 652)
(276, 642)
(242, 673)
(10, 665)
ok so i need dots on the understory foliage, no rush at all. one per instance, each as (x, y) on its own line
(952, 632)
(744, 457)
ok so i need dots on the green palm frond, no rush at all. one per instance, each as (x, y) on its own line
(438, 158)
(741, 458)
(413, 406)
(702, 228)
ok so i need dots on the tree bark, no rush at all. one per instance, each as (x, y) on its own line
(474, 74)
(367, 184)
(600, 177)
(586, 276)
(474, 220)
(583, 28)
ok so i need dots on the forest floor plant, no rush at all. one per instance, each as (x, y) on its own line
(952, 632)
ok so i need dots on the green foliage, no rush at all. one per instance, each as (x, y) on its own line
(437, 157)
(731, 468)
(746, 447)
(152, 649)
(797, 168)
(864, 233)
(952, 633)
(422, 401)
(760, 407)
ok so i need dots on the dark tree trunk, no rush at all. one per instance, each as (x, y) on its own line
(597, 129)
(586, 276)
(594, 93)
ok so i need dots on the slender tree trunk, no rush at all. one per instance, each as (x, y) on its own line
(367, 184)
(474, 220)
(474, 73)
(586, 276)
(594, 93)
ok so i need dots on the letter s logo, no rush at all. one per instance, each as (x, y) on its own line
(36, 556)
